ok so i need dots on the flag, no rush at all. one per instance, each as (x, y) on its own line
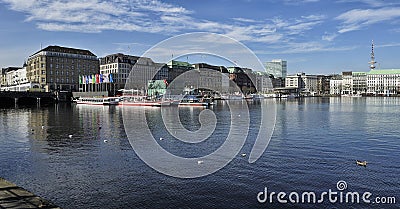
(80, 79)
(105, 78)
(101, 78)
(97, 78)
(87, 79)
(111, 78)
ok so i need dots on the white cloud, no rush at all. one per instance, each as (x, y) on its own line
(373, 3)
(387, 45)
(329, 36)
(245, 20)
(155, 16)
(301, 27)
(359, 18)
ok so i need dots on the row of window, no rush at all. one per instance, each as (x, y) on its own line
(120, 65)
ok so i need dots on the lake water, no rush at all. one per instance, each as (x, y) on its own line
(315, 144)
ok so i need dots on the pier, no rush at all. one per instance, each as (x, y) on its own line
(12, 196)
(19, 97)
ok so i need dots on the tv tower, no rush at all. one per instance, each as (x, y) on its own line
(372, 62)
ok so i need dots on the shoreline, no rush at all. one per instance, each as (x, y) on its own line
(13, 196)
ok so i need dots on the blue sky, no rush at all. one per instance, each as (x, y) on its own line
(314, 36)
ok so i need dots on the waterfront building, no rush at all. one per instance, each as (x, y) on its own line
(58, 68)
(335, 86)
(354, 82)
(14, 79)
(306, 84)
(197, 78)
(10, 75)
(264, 82)
(144, 70)
(212, 78)
(120, 67)
(176, 68)
(359, 82)
(181, 76)
(3, 77)
(383, 82)
(242, 80)
(323, 84)
(277, 68)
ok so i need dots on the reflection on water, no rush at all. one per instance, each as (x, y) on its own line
(315, 144)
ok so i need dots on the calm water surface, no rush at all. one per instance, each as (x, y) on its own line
(315, 144)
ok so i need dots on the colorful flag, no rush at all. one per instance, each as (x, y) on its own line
(93, 78)
(97, 78)
(80, 79)
(87, 79)
(101, 78)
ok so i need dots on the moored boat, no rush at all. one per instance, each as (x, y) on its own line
(351, 95)
(97, 100)
(141, 101)
(191, 100)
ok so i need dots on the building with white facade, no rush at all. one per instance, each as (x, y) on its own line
(335, 86)
(383, 82)
(15, 79)
(354, 83)
(306, 84)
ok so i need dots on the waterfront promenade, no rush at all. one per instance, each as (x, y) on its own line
(12, 196)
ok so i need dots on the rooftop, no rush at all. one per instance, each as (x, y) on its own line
(384, 72)
(62, 49)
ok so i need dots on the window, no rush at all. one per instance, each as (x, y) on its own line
(43, 72)
(43, 80)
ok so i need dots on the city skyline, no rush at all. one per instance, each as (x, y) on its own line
(311, 40)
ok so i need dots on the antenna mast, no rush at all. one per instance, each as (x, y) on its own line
(372, 62)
